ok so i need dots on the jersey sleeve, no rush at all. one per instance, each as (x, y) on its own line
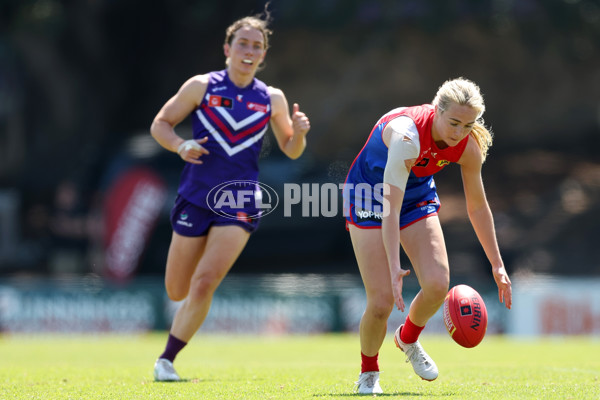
(404, 145)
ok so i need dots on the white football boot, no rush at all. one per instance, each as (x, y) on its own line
(164, 371)
(368, 383)
(421, 362)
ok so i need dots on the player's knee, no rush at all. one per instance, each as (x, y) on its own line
(204, 286)
(176, 292)
(380, 308)
(436, 289)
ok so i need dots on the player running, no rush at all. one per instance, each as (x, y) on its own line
(390, 185)
(230, 110)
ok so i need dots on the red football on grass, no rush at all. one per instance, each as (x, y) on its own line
(465, 315)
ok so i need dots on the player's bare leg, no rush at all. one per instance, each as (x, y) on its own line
(184, 255)
(372, 263)
(424, 244)
(223, 246)
(195, 268)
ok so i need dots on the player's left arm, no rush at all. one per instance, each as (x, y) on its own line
(290, 132)
(482, 219)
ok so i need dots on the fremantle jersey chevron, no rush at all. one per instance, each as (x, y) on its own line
(235, 121)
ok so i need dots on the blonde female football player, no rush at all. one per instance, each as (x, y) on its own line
(405, 148)
(231, 111)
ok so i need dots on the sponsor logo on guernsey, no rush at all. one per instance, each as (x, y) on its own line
(257, 107)
(219, 88)
(442, 163)
(423, 162)
(220, 101)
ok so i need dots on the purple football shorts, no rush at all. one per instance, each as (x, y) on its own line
(188, 219)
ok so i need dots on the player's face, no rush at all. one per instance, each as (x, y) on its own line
(246, 51)
(453, 125)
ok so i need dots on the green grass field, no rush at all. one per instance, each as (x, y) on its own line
(292, 367)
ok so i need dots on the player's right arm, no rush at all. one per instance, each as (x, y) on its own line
(402, 138)
(175, 110)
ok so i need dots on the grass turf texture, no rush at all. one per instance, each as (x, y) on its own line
(292, 367)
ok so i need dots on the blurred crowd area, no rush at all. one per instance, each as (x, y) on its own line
(80, 82)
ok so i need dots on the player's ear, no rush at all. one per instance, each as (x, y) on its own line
(226, 49)
(262, 59)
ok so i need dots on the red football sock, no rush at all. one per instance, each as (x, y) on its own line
(410, 332)
(369, 363)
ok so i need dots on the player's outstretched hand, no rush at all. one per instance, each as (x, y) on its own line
(504, 286)
(300, 121)
(192, 150)
(397, 288)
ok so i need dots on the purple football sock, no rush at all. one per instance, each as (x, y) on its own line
(174, 346)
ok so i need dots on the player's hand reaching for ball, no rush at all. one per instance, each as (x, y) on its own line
(192, 150)
(504, 286)
(397, 287)
(300, 121)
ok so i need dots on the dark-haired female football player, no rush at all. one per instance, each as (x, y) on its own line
(231, 111)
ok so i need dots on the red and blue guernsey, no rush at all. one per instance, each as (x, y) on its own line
(363, 193)
(235, 120)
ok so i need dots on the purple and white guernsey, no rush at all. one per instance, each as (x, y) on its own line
(235, 121)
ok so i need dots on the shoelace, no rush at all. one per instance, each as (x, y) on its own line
(168, 368)
(368, 379)
(414, 353)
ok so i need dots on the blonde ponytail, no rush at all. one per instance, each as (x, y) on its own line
(483, 137)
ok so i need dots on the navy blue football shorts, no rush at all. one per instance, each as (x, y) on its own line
(369, 215)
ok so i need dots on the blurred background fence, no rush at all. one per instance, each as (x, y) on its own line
(85, 193)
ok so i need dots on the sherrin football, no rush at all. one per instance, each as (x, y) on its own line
(465, 316)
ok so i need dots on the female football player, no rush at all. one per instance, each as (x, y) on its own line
(391, 200)
(230, 110)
